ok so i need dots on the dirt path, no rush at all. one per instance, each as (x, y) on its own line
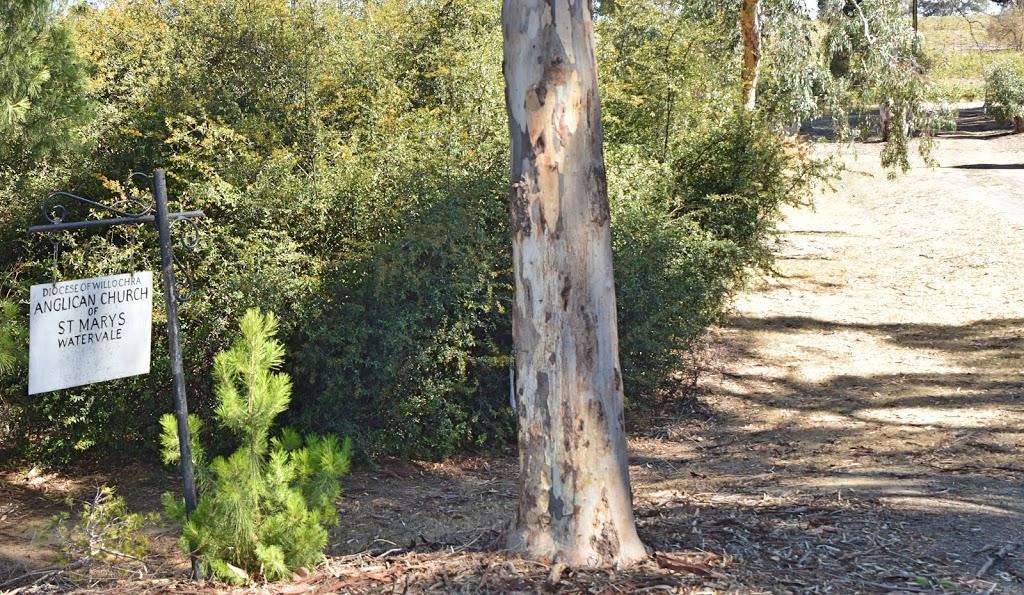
(879, 376)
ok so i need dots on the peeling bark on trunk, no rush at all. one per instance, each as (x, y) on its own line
(575, 503)
(750, 26)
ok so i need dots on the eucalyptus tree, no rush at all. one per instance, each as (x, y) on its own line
(875, 60)
(575, 502)
(778, 54)
(791, 72)
(750, 26)
(857, 56)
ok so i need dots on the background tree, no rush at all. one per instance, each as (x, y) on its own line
(575, 502)
(875, 59)
(42, 106)
(792, 78)
(1008, 26)
(750, 27)
(948, 8)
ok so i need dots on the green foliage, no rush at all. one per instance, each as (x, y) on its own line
(734, 182)
(102, 535)
(695, 187)
(352, 160)
(791, 73)
(42, 105)
(41, 81)
(875, 60)
(687, 234)
(413, 356)
(1004, 95)
(12, 337)
(963, 52)
(662, 74)
(672, 277)
(264, 508)
(13, 353)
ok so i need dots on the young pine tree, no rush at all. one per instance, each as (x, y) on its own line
(12, 337)
(264, 509)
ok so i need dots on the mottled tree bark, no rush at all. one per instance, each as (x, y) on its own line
(575, 503)
(750, 26)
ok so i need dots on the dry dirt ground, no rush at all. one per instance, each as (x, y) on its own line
(858, 428)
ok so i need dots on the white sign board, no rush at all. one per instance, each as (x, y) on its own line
(89, 330)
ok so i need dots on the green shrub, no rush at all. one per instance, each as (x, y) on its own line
(12, 337)
(734, 181)
(263, 509)
(411, 355)
(687, 233)
(671, 277)
(1004, 95)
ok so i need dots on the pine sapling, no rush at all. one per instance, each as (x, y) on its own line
(264, 509)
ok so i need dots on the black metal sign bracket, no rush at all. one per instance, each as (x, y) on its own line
(133, 210)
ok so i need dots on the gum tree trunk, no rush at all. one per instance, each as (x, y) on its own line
(575, 503)
(750, 26)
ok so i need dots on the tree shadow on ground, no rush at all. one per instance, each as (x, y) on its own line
(979, 367)
(875, 431)
(877, 480)
(800, 542)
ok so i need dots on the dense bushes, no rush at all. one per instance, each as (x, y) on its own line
(687, 233)
(411, 355)
(672, 277)
(352, 163)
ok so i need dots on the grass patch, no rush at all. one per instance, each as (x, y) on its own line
(962, 54)
(956, 33)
